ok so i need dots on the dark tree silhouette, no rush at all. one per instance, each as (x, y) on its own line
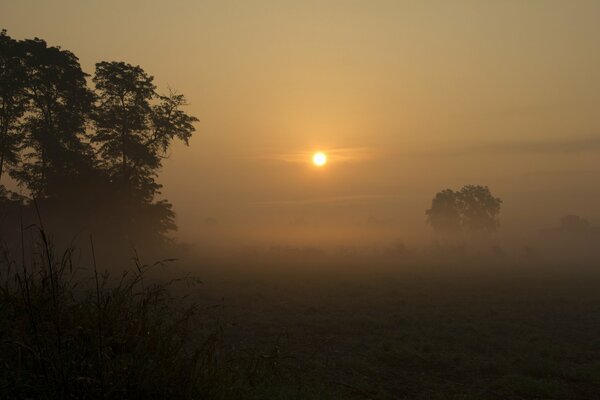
(123, 122)
(133, 133)
(13, 101)
(134, 129)
(472, 208)
(57, 153)
(479, 209)
(169, 122)
(444, 214)
(89, 157)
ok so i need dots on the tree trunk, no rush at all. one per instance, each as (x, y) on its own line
(2, 141)
(124, 160)
(1, 163)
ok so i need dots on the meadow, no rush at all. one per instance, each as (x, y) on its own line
(381, 327)
(299, 323)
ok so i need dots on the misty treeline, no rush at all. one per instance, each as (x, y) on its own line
(84, 150)
(474, 210)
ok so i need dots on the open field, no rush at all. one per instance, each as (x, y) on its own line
(374, 330)
(307, 324)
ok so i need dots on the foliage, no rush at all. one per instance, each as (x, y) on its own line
(133, 134)
(122, 118)
(68, 332)
(472, 208)
(13, 101)
(54, 147)
(89, 153)
(444, 214)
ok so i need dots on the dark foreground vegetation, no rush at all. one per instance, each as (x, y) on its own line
(71, 331)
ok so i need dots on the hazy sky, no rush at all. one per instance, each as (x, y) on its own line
(408, 97)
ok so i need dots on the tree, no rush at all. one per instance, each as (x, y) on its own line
(473, 208)
(479, 209)
(122, 118)
(89, 157)
(169, 122)
(134, 134)
(58, 154)
(134, 129)
(574, 224)
(13, 101)
(444, 214)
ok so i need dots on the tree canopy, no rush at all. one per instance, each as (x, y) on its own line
(91, 148)
(13, 101)
(471, 208)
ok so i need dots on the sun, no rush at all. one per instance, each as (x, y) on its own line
(319, 159)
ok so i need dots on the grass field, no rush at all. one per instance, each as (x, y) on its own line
(381, 330)
(300, 326)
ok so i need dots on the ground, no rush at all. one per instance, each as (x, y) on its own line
(394, 330)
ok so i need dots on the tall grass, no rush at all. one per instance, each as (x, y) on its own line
(74, 333)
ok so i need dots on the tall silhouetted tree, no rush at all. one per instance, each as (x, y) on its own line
(134, 129)
(134, 125)
(472, 208)
(90, 157)
(13, 101)
(122, 117)
(58, 153)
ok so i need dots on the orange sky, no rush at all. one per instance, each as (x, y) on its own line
(410, 98)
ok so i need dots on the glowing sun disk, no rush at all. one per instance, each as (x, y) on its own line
(319, 159)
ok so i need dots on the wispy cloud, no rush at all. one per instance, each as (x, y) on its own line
(566, 146)
(332, 200)
(336, 155)
(548, 146)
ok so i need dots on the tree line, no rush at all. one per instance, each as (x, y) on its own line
(86, 148)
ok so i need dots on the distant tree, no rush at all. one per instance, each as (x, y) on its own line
(13, 101)
(472, 208)
(444, 214)
(55, 123)
(479, 209)
(574, 224)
